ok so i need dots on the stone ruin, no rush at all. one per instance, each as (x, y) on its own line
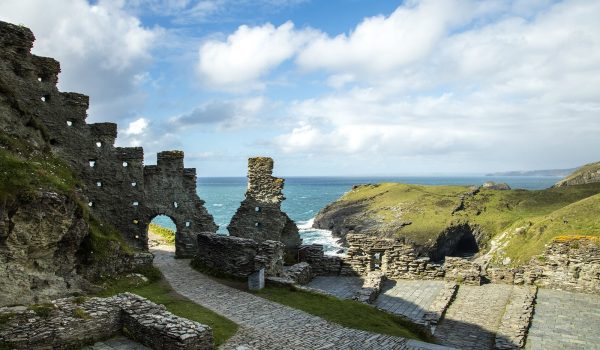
(70, 323)
(259, 217)
(120, 189)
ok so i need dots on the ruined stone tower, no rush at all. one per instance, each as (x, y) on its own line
(120, 189)
(259, 217)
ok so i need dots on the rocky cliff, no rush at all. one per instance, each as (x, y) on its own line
(444, 221)
(588, 173)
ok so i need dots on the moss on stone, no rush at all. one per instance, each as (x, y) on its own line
(81, 314)
(6, 317)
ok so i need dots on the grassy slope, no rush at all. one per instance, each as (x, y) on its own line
(588, 168)
(167, 234)
(160, 292)
(429, 208)
(574, 220)
(348, 313)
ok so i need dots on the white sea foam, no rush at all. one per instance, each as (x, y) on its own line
(217, 205)
(312, 235)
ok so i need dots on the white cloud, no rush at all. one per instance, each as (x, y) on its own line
(520, 84)
(225, 114)
(137, 126)
(101, 48)
(248, 54)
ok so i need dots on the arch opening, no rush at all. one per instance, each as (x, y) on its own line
(162, 230)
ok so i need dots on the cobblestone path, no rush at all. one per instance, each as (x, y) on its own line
(473, 317)
(339, 286)
(266, 325)
(410, 299)
(117, 343)
(565, 320)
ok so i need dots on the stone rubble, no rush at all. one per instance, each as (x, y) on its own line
(72, 323)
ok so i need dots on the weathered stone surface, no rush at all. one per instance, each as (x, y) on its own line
(71, 323)
(39, 240)
(120, 190)
(256, 281)
(259, 216)
(370, 288)
(516, 319)
(586, 174)
(300, 273)
(237, 256)
(321, 264)
(462, 271)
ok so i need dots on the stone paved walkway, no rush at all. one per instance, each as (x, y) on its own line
(266, 325)
(565, 320)
(411, 299)
(472, 320)
(117, 343)
(340, 286)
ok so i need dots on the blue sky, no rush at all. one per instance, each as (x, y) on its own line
(352, 87)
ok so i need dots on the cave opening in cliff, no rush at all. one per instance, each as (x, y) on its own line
(466, 247)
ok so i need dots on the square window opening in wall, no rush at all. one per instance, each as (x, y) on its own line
(45, 98)
(135, 221)
(40, 79)
(135, 204)
(257, 209)
(90, 204)
(133, 184)
(92, 163)
(257, 224)
(125, 164)
(187, 224)
(137, 237)
(69, 123)
(175, 204)
(99, 184)
(98, 144)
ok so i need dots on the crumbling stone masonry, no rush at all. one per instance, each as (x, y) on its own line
(70, 323)
(121, 190)
(237, 256)
(259, 217)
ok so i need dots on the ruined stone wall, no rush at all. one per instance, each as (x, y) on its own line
(570, 263)
(72, 323)
(321, 264)
(259, 216)
(237, 256)
(120, 189)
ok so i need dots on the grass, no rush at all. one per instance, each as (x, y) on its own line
(167, 234)
(348, 313)
(575, 221)
(42, 310)
(4, 318)
(160, 292)
(81, 314)
(429, 209)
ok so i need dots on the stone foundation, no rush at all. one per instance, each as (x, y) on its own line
(238, 257)
(321, 264)
(569, 263)
(67, 324)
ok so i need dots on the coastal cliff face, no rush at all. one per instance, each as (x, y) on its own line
(588, 173)
(444, 221)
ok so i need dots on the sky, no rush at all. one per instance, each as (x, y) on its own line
(335, 87)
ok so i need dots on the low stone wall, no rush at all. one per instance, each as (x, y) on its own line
(321, 264)
(239, 257)
(462, 271)
(370, 288)
(516, 319)
(300, 273)
(71, 323)
(569, 263)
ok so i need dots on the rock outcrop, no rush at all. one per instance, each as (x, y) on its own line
(259, 216)
(588, 173)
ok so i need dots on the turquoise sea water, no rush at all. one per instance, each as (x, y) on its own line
(305, 196)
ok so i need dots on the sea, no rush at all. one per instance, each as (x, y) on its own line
(305, 196)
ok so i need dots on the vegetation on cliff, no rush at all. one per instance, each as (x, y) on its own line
(429, 215)
(588, 173)
(167, 235)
